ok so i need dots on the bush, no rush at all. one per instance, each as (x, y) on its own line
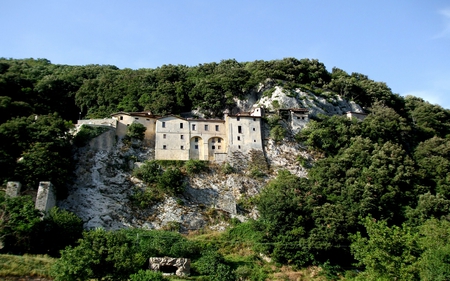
(278, 133)
(136, 131)
(147, 275)
(86, 133)
(171, 181)
(115, 255)
(149, 172)
(194, 166)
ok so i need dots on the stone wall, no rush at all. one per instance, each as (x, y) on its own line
(180, 266)
(46, 198)
(13, 189)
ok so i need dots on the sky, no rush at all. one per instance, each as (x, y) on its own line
(404, 43)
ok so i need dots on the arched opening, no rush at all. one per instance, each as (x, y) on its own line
(216, 145)
(196, 148)
(168, 269)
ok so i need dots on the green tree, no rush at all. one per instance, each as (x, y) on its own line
(136, 131)
(19, 222)
(387, 253)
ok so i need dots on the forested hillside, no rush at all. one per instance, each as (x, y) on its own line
(376, 198)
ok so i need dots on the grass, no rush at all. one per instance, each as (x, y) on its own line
(27, 265)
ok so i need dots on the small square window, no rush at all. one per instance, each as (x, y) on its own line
(182, 147)
(239, 118)
(147, 119)
(239, 147)
(181, 125)
(219, 147)
(164, 146)
(298, 117)
(164, 136)
(254, 129)
(163, 124)
(213, 140)
(219, 140)
(254, 140)
(136, 118)
(217, 127)
(196, 146)
(254, 119)
(238, 138)
(181, 137)
(213, 147)
(121, 117)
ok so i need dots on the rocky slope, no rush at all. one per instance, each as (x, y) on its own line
(101, 192)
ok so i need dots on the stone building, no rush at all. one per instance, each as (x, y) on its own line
(177, 138)
(358, 115)
(125, 119)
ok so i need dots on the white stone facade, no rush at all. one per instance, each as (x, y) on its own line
(177, 138)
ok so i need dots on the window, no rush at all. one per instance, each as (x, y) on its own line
(254, 119)
(182, 147)
(206, 127)
(164, 146)
(181, 137)
(254, 140)
(181, 125)
(239, 147)
(303, 118)
(239, 118)
(163, 124)
(164, 136)
(240, 129)
(213, 147)
(196, 139)
(239, 138)
(217, 128)
(219, 147)
(147, 119)
(193, 127)
(254, 129)
(196, 146)
(136, 118)
(219, 140)
(121, 117)
(213, 140)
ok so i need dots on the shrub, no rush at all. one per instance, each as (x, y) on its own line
(136, 131)
(86, 133)
(149, 172)
(278, 133)
(171, 181)
(227, 169)
(194, 166)
(147, 275)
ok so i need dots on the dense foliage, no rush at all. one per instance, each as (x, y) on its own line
(376, 187)
(23, 230)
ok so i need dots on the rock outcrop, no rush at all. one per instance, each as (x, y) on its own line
(103, 186)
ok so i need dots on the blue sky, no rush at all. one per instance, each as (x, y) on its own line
(405, 43)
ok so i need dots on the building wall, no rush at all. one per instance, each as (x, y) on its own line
(172, 139)
(244, 133)
(208, 137)
(298, 121)
(124, 120)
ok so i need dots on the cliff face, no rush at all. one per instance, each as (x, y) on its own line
(101, 192)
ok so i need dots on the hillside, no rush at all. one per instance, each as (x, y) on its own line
(320, 194)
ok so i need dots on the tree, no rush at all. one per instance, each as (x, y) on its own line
(387, 253)
(19, 222)
(136, 131)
